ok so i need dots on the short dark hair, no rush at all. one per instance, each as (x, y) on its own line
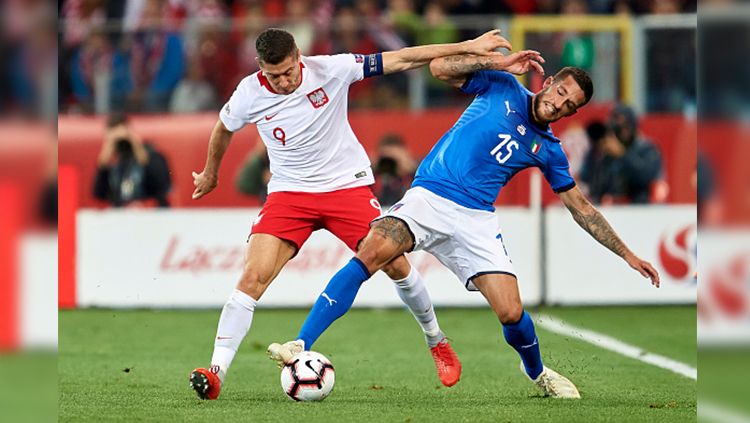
(582, 79)
(274, 45)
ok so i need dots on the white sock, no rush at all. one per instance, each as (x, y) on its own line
(414, 294)
(235, 321)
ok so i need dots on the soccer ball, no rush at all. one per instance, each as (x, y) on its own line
(309, 376)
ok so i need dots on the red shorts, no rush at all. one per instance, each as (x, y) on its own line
(293, 216)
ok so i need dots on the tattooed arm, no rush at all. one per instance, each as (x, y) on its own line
(455, 69)
(413, 57)
(593, 222)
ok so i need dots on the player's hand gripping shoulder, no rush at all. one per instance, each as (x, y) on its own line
(487, 43)
(455, 69)
(593, 222)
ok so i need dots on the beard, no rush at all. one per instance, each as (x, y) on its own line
(540, 111)
(536, 108)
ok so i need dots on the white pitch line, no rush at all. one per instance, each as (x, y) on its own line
(561, 327)
(716, 413)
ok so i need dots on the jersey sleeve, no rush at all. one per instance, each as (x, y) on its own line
(482, 81)
(236, 112)
(355, 67)
(557, 170)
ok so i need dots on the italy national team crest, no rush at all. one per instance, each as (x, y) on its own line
(536, 145)
(318, 98)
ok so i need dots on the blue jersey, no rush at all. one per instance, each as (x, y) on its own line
(492, 140)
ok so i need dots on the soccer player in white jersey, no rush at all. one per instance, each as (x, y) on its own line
(449, 211)
(320, 180)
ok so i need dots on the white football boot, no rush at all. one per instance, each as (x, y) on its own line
(283, 354)
(554, 384)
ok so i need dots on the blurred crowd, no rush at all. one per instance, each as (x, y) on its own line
(188, 55)
(28, 70)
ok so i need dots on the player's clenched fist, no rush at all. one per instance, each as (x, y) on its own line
(204, 183)
(487, 43)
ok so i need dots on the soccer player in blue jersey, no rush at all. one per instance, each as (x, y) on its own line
(449, 209)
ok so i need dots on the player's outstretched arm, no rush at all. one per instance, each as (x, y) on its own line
(208, 179)
(454, 70)
(593, 222)
(414, 57)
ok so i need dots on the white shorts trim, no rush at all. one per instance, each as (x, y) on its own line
(467, 241)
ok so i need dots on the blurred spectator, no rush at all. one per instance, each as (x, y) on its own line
(578, 48)
(622, 7)
(91, 72)
(132, 14)
(194, 93)
(621, 166)
(394, 170)
(219, 64)
(371, 17)
(348, 36)
(662, 7)
(130, 172)
(32, 66)
(434, 28)
(595, 173)
(299, 24)
(253, 23)
(192, 17)
(254, 175)
(81, 17)
(545, 7)
(150, 63)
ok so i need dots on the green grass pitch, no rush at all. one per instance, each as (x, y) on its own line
(118, 365)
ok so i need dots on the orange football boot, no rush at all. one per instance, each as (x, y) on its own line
(206, 382)
(447, 363)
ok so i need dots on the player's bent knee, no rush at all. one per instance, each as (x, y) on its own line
(511, 315)
(253, 282)
(397, 268)
(375, 256)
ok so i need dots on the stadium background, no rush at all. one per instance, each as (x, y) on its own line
(642, 53)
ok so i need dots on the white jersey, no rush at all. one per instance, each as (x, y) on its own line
(311, 146)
